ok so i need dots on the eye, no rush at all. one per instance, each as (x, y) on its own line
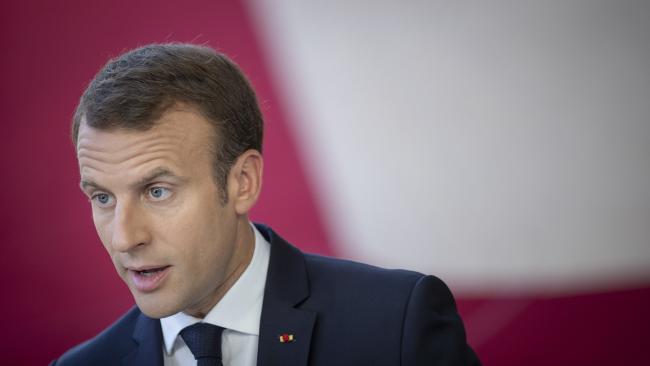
(102, 199)
(159, 193)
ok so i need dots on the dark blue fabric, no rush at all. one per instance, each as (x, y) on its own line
(339, 313)
(204, 341)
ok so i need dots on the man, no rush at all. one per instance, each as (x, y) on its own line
(169, 145)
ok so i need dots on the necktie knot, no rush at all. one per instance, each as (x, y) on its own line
(204, 341)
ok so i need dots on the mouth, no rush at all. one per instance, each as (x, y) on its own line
(148, 279)
(149, 271)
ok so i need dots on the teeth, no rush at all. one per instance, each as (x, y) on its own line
(149, 272)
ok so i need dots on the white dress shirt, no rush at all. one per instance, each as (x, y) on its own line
(239, 312)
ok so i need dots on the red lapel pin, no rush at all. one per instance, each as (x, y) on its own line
(286, 338)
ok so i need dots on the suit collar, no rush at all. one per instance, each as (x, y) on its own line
(287, 286)
(148, 348)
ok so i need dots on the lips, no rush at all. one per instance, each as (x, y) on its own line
(148, 278)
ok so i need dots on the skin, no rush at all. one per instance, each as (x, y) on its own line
(155, 203)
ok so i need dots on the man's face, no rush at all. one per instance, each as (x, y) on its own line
(157, 211)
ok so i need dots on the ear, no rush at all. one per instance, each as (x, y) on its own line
(245, 181)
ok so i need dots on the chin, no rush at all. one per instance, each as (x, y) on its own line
(154, 307)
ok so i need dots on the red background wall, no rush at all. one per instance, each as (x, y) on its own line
(59, 287)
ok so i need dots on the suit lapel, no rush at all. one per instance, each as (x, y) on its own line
(287, 286)
(148, 336)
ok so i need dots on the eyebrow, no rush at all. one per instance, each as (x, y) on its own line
(156, 173)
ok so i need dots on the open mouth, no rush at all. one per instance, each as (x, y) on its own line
(149, 279)
(151, 271)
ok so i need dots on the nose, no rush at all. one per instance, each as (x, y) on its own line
(129, 227)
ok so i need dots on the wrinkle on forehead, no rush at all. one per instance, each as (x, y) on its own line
(176, 138)
(128, 153)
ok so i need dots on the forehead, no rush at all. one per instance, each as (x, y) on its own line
(179, 140)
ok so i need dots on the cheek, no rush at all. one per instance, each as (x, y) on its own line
(102, 227)
(203, 240)
(197, 221)
(196, 241)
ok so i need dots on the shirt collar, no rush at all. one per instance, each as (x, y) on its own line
(240, 309)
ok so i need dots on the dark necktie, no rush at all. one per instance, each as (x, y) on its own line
(204, 340)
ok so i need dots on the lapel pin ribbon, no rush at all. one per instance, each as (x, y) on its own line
(286, 338)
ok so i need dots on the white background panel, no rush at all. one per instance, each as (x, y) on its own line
(503, 146)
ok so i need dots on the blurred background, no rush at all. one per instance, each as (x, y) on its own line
(503, 146)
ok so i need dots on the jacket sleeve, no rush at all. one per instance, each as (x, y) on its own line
(433, 332)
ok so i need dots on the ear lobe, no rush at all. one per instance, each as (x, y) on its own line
(247, 181)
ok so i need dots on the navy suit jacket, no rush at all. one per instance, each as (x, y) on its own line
(339, 312)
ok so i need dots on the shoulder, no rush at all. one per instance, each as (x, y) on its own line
(347, 273)
(391, 316)
(105, 347)
(411, 317)
(363, 281)
(323, 271)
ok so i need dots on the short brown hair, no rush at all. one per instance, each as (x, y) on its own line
(133, 90)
